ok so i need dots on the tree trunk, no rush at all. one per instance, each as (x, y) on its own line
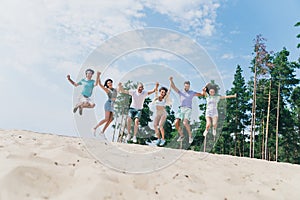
(121, 127)
(252, 129)
(277, 120)
(263, 140)
(268, 117)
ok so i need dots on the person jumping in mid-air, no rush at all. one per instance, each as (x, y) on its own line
(88, 85)
(185, 110)
(211, 113)
(135, 110)
(161, 101)
(108, 106)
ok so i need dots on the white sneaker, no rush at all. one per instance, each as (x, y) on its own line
(134, 140)
(205, 133)
(158, 142)
(214, 132)
(162, 142)
(180, 139)
(191, 140)
(128, 137)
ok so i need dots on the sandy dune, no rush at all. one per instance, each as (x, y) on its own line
(45, 166)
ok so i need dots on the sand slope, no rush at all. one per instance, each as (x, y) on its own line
(45, 166)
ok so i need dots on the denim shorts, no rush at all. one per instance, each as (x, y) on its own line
(134, 113)
(109, 106)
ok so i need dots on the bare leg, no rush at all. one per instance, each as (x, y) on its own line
(177, 126)
(215, 124)
(88, 105)
(136, 126)
(107, 116)
(161, 126)
(111, 117)
(156, 123)
(128, 124)
(187, 126)
(208, 123)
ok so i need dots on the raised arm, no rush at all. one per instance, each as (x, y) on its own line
(155, 89)
(228, 96)
(169, 91)
(97, 78)
(121, 89)
(173, 85)
(71, 81)
(100, 84)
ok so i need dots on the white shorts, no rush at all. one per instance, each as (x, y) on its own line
(211, 113)
(83, 99)
(184, 113)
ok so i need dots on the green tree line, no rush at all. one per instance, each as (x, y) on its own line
(263, 121)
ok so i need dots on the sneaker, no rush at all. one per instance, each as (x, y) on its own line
(205, 133)
(128, 137)
(180, 139)
(191, 140)
(80, 110)
(162, 143)
(158, 142)
(75, 109)
(134, 140)
(214, 132)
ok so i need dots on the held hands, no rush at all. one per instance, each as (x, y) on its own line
(156, 86)
(68, 77)
(171, 78)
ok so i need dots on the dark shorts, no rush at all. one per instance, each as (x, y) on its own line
(134, 113)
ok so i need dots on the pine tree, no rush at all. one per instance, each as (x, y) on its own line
(284, 78)
(237, 115)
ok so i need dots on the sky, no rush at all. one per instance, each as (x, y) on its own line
(42, 41)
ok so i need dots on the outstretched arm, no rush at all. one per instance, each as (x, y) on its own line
(71, 81)
(173, 85)
(228, 96)
(121, 89)
(155, 89)
(97, 78)
(100, 84)
(203, 93)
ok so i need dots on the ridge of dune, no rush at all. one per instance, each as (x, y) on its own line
(48, 166)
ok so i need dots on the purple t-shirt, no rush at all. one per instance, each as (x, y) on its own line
(186, 98)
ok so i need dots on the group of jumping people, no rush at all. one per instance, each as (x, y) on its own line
(161, 100)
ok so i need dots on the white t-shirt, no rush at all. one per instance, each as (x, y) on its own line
(137, 99)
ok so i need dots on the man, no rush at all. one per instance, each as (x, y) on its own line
(136, 106)
(185, 110)
(88, 85)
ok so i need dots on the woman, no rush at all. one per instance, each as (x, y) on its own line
(212, 108)
(160, 103)
(108, 106)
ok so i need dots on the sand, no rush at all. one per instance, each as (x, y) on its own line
(48, 166)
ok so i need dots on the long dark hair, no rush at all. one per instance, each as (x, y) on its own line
(212, 86)
(106, 81)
